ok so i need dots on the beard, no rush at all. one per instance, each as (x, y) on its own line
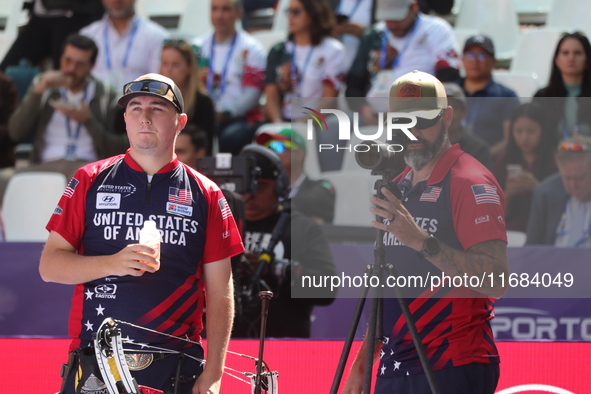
(417, 159)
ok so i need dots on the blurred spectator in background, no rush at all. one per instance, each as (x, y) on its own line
(561, 206)
(8, 103)
(486, 117)
(179, 63)
(404, 40)
(68, 113)
(309, 65)
(129, 46)
(528, 159)
(315, 199)
(50, 22)
(234, 75)
(570, 79)
(469, 143)
(352, 18)
(190, 145)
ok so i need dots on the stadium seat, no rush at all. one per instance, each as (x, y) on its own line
(461, 35)
(195, 20)
(570, 15)
(523, 84)
(12, 14)
(6, 41)
(532, 11)
(166, 13)
(29, 201)
(494, 18)
(352, 198)
(280, 23)
(534, 54)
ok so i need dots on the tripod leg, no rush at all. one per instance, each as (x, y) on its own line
(371, 343)
(350, 337)
(374, 332)
(412, 328)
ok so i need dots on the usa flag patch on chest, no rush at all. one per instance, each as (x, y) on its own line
(431, 194)
(180, 196)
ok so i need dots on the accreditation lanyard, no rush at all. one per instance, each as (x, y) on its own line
(72, 137)
(132, 34)
(561, 232)
(409, 38)
(296, 78)
(223, 77)
(355, 7)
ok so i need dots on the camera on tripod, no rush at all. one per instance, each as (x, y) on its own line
(233, 173)
(386, 160)
(381, 157)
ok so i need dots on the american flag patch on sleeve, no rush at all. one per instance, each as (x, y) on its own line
(69, 192)
(224, 208)
(486, 194)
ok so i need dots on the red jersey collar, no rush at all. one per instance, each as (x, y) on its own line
(135, 166)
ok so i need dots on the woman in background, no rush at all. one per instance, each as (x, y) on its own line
(309, 68)
(528, 159)
(179, 63)
(570, 80)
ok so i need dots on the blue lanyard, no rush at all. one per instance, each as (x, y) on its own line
(68, 127)
(294, 72)
(384, 47)
(339, 8)
(127, 50)
(561, 228)
(210, 73)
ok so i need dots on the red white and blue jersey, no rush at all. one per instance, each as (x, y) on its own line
(102, 211)
(462, 205)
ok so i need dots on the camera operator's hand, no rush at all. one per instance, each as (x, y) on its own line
(402, 225)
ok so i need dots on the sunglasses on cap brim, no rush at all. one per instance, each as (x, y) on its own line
(152, 86)
(281, 146)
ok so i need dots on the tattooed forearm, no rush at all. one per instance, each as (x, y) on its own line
(489, 257)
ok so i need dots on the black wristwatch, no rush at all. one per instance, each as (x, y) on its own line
(430, 247)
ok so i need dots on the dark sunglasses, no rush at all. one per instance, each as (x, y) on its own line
(157, 87)
(573, 147)
(293, 11)
(422, 123)
(481, 57)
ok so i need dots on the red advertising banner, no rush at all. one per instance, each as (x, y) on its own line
(32, 365)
